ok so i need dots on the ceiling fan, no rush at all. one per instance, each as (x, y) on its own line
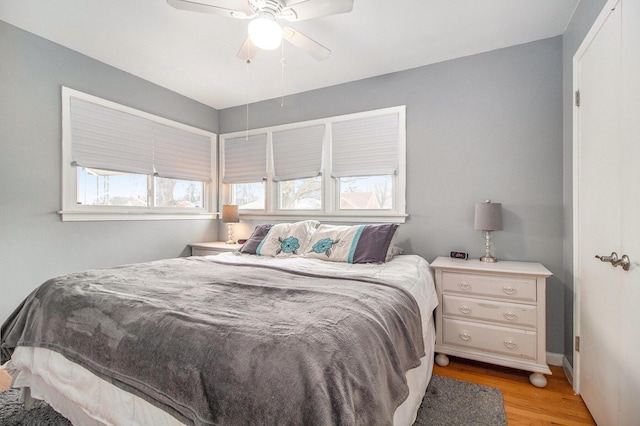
(264, 31)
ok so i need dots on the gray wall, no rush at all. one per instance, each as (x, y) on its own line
(495, 125)
(484, 126)
(34, 243)
(583, 17)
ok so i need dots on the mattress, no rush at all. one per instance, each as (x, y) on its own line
(84, 398)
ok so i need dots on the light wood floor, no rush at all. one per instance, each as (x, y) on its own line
(5, 380)
(556, 404)
(524, 404)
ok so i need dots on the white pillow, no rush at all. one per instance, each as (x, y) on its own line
(353, 244)
(287, 239)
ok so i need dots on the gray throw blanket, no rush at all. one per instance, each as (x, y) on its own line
(219, 344)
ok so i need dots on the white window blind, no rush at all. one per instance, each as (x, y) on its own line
(179, 154)
(108, 139)
(365, 146)
(297, 153)
(245, 159)
(104, 138)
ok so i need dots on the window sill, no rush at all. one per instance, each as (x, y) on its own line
(351, 218)
(75, 216)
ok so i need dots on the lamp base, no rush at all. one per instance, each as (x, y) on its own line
(230, 235)
(488, 259)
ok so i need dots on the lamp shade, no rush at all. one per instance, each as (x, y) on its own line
(230, 213)
(488, 216)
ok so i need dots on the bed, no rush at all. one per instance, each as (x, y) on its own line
(230, 339)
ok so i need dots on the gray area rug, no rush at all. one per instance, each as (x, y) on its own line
(447, 402)
(12, 413)
(451, 402)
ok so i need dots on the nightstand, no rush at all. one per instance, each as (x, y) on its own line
(213, 248)
(492, 312)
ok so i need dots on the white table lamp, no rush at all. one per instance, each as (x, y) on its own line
(488, 218)
(230, 216)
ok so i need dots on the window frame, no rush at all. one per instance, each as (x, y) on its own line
(71, 211)
(330, 210)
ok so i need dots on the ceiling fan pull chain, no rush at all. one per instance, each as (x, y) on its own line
(282, 62)
(248, 61)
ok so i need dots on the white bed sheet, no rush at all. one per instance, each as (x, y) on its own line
(85, 399)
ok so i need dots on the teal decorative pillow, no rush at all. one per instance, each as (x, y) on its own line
(287, 239)
(352, 244)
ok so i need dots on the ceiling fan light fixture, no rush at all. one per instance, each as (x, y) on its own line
(265, 33)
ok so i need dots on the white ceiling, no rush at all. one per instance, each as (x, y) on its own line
(195, 54)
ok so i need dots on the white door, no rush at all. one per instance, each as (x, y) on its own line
(606, 214)
(630, 220)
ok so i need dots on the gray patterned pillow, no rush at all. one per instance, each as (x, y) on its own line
(251, 245)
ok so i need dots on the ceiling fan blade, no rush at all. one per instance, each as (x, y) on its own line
(303, 42)
(248, 50)
(307, 9)
(211, 7)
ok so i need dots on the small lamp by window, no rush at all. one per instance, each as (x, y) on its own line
(488, 218)
(230, 215)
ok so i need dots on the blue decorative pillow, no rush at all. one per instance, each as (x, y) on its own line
(353, 244)
(287, 239)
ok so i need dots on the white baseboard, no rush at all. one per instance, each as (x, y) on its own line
(555, 359)
(559, 360)
(568, 370)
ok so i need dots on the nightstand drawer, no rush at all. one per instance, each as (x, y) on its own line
(513, 314)
(205, 252)
(212, 248)
(515, 288)
(502, 340)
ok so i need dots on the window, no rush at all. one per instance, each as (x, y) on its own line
(178, 193)
(297, 166)
(365, 160)
(366, 192)
(347, 166)
(300, 194)
(107, 188)
(121, 163)
(245, 169)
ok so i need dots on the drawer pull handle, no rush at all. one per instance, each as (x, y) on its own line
(509, 290)
(510, 343)
(465, 336)
(510, 316)
(465, 286)
(465, 309)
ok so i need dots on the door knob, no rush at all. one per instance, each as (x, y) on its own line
(624, 261)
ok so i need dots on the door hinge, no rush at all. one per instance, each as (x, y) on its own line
(577, 343)
(577, 98)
